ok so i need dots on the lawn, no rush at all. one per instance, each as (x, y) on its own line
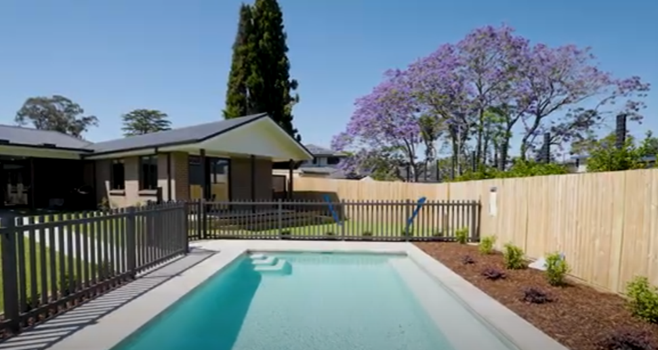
(42, 260)
(349, 228)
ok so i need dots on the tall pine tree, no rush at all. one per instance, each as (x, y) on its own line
(260, 70)
(237, 103)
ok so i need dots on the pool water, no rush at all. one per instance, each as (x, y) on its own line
(302, 301)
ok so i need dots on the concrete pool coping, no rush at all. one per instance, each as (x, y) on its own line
(111, 329)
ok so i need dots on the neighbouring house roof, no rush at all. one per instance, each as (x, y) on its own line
(20, 136)
(321, 151)
(188, 134)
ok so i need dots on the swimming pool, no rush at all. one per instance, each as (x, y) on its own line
(317, 301)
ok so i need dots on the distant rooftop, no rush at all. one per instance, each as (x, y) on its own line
(321, 151)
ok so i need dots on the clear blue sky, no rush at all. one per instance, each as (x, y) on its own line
(174, 55)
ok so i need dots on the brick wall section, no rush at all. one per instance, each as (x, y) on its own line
(240, 181)
(131, 195)
(180, 176)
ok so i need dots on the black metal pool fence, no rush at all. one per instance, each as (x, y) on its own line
(52, 262)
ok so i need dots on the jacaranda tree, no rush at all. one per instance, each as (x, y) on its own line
(476, 95)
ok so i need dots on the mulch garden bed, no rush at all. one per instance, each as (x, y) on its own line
(579, 317)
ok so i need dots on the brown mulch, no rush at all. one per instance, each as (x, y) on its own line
(578, 317)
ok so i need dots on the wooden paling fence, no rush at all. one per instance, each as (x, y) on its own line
(605, 223)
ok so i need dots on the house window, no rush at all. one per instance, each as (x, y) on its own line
(148, 173)
(333, 160)
(315, 160)
(117, 175)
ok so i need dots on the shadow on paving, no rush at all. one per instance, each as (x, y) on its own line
(52, 331)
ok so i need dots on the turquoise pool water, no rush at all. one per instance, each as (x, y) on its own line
(306, 301)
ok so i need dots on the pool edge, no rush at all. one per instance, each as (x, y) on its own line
(492, 313)
(111, 329)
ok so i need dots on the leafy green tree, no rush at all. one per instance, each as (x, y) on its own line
(649, 145)
(238, 103)
(604, 156)
(56, 113)
(269, 84)
(144, 121)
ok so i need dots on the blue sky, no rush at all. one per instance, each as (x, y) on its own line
(174, 55)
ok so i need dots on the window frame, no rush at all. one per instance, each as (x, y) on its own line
(114, 184)
(148, 179)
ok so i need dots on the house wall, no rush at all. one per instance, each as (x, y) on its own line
(239, 180)
(131, 195)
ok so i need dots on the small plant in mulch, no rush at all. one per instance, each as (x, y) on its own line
(461, 235)
(486, 245)
(438, 234)
(493, 274)
(643, 299)
(514, 257)
(407, 233)
(367, 235)
(557, 269)
(534, 295)
(330, 235)
(626, 340)
(468, 260)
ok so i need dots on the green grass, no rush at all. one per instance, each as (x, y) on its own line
(349, 228)
(38, 287)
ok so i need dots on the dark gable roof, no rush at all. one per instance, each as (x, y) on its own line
(190, 134)
(20, 136)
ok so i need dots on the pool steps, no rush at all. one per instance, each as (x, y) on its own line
(271, 265)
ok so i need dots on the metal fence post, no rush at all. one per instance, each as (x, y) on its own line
(202, 217)
(341, 218)
(279, 215)
(198, 219)
(131, 243)
(407, 213)
(186, 227)
(10, 277)
(475, 216)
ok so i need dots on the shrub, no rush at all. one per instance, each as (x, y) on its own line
(367, 233)
(535, 296)
(408, 233)
(438, 233)
(487, 245)
(643, 299)
(462, 235)
(626, 340)
(65, 284)
(513, 257)
(493, 274)
(467, 260)
(557, 269)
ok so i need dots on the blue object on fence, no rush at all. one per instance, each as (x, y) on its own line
(410, 221)
(331, 209)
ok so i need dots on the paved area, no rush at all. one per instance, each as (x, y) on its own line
(104, 322)
(56, 333)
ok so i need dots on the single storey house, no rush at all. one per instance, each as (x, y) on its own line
(224, 160)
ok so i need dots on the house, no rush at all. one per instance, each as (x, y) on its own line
(224, 160)
(323, 165)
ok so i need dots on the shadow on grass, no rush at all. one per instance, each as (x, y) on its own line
(52, 331)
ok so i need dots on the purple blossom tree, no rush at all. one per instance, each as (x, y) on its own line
(384, 133)
(476, 94)
(559, 82)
